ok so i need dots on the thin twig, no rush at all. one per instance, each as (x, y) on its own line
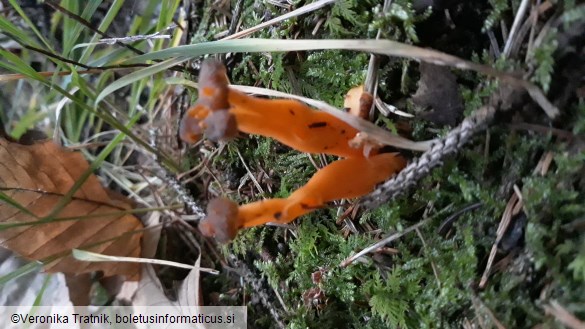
(433, 265)
(18, 76)
(128, 39)
(563, 315)
(260, 189)
(61, 58)
(564, 134)
(443, 228)
(502, 227)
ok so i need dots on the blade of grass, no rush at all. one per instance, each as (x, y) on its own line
(168, 10)
(138, 75)
(27, 121)
(104, 25)
(39, 297)
(15, 33)
(6, 199)
(385, 47)
(89, 256)
(72, 30)
(18, 65)
(39, 35)
(21, 271)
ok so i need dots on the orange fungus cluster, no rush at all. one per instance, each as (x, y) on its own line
(220, 112)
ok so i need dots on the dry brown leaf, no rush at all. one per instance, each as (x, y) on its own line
(37, 177)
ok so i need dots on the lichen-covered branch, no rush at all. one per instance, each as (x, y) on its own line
(420, 167)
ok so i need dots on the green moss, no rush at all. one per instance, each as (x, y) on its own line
(499, 7)
(398, 23)
(329, 75)
(544, 61)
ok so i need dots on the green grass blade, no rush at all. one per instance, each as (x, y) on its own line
(104, 25)
(168, 10)
(138, 75)
(5, 198)
(6, 27)
(39, 297)
(21, 271)
(72, 35)
(19, 10)
(18, 65)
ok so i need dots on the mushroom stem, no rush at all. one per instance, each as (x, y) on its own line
(343, 179)
(293, 124)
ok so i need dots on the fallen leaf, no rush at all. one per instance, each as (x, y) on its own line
(37, 177)
(438, 91)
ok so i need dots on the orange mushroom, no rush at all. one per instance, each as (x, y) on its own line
(293, 124)
(342, 179)
(210, 115)
(288, 121)
(220, 111)
(358, 102)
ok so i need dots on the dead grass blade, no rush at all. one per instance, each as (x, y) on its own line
(297, 12)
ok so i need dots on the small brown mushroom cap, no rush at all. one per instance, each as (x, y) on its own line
(213, 85)
(221, 221)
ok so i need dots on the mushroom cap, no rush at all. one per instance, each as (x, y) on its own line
(213, 85)
(221, 221)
